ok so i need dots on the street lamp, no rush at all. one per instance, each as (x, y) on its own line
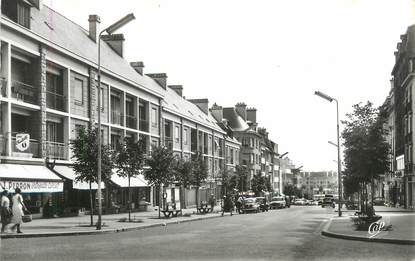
(279, 170)
(330, 99)
(111, 29)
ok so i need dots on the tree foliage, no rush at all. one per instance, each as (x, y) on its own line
(183, 171)
(161, 164)
(258, 184)
(85, 155)
(242, 177)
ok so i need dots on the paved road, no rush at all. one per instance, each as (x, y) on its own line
(288, 234)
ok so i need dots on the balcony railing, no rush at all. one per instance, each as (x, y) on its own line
(143, 125)
(57, 150)
(3, 87)
(131, 121)
(32, 151)
(116, 118)
(24, 92)
(55, 101)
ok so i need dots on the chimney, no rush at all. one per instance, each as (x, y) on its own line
(251, 115)
(116, 42)
(240, 108)
(178, 89)
(138, 67)
(37, 3)
(217, 112)
(94, 22)
(160, 78)
(203, 104)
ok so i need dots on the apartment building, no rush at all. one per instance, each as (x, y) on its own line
(49, 90)
(321, 182)
(403, 84)
(258, 153)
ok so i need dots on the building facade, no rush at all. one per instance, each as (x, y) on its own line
(48, 80)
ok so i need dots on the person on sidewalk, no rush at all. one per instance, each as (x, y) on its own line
(5, 210)
(17, 210)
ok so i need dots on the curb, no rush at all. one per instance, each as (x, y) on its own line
(327, 233)
(104, 231)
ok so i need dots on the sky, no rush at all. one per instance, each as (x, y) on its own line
(270, 54)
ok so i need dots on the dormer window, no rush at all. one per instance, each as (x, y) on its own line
(17, 10)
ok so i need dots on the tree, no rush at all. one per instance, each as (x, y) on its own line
(160, 172)
(129, 159)
(183, 174)
(85, 154)
(242, 174)
(366, 149)
(200, 173)
(291, 190)
(268, 185)
(258, 184)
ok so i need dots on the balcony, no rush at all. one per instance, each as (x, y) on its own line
(3, 87)
(143, 125)
(55, 101)
(24, 92)
(117, 118)
(56, 150)
(31, 152)
(131, 121)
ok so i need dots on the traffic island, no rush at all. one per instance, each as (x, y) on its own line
(402, 232)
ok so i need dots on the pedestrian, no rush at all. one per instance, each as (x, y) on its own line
(5, 210)
(17, 210)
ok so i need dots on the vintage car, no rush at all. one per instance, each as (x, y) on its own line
(278, 202)
(249, 205)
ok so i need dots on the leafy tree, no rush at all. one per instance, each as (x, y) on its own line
(242, 174)
(160, 172)
(366, 149)
(291, 190)
(130, 159)
(200, 173)
(258, 184)
(183, 174)
(85, 154)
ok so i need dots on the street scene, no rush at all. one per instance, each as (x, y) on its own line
(207, 130)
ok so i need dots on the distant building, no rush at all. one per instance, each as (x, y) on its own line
(322, 182)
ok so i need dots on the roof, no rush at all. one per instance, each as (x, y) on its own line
(176, 103)
(63, 32)
(234, 120)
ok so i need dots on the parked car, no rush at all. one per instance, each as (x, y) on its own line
(328, 202)
(378, 202)
(263, 203)
(277, 202)
(249, 205)
(299, 201)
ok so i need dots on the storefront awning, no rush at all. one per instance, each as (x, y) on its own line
(70, 174)
(29, 178)
(138, 181)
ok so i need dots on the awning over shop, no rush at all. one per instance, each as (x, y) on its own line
(29, 178)
(138, 181)
(69, 173)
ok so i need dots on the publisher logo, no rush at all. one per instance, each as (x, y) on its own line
(375, 228)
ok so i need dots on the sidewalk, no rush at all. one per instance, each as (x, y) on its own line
(80, 225)
(403, 228)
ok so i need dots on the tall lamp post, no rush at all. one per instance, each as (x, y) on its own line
(111, 29)
(279, 170)
(330, 99)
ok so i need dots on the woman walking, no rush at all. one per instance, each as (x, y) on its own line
(5, 210)
(17, 210)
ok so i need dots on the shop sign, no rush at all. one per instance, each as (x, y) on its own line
(32, 186)
(22, 141)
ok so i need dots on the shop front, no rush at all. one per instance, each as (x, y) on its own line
(76, 194)
(41, 188)
(118, 196)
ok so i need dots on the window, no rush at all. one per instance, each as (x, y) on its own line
(79, 92)
(185, 136)
(176, 134)
(154, 120)
(78, 127)
(18, 11)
